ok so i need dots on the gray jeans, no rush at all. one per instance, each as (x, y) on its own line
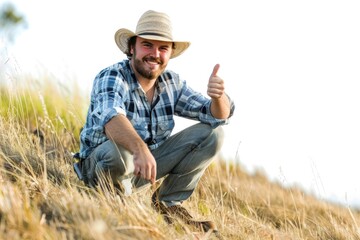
(181, 159)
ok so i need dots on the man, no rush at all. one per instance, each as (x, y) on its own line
(130, 120)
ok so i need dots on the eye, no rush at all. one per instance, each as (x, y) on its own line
(164, 48)
(147, 45)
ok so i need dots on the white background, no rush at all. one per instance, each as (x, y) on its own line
(292, 68)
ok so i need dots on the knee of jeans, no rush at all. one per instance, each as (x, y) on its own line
(110, 162)
(216, 139)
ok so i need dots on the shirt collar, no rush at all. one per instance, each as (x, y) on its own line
(161, 83)
(133, 83)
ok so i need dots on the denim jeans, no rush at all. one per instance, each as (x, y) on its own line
(181, 159)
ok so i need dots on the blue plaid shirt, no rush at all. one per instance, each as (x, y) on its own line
(116, 91)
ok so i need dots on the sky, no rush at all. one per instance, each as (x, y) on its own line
(291, 67)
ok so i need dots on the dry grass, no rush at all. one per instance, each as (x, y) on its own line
(41, 198)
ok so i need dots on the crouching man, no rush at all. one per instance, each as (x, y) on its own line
(131, 117)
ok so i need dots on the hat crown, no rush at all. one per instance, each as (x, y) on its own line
(154, 23)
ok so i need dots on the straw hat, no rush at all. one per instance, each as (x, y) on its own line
(153, 26)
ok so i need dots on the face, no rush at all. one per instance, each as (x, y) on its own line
(150, 57)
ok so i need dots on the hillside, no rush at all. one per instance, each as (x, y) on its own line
(41, 198)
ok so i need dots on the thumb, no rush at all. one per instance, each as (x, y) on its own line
(215, 70)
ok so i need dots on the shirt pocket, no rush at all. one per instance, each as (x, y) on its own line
(164, 128)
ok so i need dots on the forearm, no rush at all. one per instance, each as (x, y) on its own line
(120, 130)
(220, 107)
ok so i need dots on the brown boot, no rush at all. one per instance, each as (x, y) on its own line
(179, 212)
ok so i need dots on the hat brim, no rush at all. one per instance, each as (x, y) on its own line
(123, 35)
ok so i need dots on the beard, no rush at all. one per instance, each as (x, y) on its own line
(143, 69)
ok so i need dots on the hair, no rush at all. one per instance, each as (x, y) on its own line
(131, 43)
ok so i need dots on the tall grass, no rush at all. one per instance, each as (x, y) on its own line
(41, 198)
(53, 110)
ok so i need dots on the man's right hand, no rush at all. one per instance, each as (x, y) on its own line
(145, 165)
(120, 130)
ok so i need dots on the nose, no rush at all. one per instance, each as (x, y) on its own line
(155, 53)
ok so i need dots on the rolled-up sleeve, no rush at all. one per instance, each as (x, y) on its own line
(108, 98)
(194, 105)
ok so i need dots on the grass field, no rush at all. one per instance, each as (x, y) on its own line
(41, 198)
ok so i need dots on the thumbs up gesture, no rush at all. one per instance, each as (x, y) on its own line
(215, 86)
(220, 103)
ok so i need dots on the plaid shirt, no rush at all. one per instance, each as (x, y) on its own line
(116, 91)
